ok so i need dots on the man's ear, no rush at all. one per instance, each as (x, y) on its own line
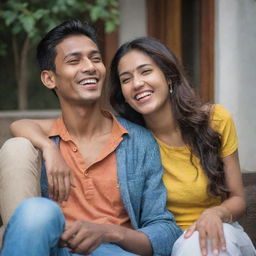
(48, 79)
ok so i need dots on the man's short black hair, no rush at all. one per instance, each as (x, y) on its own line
(46, 49)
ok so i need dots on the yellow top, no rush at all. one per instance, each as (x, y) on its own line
(186, 185)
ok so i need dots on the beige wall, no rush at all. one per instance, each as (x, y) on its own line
(133, 20)
(236, 71)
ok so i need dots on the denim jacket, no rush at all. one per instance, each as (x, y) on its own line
(142, 191)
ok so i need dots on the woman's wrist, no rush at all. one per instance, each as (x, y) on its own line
(227, 215)
(224, 214)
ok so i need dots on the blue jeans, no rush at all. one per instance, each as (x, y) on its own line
(35, 229)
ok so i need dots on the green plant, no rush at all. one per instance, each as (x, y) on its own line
(27, 20)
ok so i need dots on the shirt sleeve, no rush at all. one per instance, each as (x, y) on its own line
(224, 125)
(156, 222)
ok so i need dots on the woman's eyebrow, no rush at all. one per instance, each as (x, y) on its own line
(139, 67)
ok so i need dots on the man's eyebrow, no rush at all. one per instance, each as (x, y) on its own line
(95, 52)
(139, 67)
(72, 54)
(79, 54)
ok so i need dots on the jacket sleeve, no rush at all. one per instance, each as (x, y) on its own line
(156, 221)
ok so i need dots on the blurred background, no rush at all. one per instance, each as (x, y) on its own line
(214, 39)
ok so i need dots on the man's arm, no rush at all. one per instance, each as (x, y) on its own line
(58, 173)
(84, 237)
(34, 130)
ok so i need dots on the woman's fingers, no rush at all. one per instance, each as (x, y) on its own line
(190, 231)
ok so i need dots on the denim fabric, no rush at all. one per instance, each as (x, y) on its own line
(35, 229)
(143, 193)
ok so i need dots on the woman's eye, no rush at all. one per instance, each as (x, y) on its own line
(125, 80)
(96, 59)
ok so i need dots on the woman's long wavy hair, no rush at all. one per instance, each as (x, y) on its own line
(192, 116)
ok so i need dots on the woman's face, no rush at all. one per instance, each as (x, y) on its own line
(143, 84)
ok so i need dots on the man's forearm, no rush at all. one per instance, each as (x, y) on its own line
(130, 240)
(32, 131)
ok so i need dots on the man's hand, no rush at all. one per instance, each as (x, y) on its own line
(84, 237)
(58, 173)
(210, 226)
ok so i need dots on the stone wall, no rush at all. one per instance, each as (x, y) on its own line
(7, 117)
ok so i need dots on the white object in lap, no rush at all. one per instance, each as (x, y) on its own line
(237, 242)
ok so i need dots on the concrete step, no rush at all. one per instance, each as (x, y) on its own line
(7, 117)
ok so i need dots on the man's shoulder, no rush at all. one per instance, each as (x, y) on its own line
(136, 132)
(132, 127)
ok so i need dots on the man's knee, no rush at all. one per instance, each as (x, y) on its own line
(19, 152)
(110, 249)
(14, 146)
(36, 214)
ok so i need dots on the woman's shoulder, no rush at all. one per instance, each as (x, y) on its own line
(220, 113)
(221, 120)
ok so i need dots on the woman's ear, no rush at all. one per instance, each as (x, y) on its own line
(169, 82)
(48, 79)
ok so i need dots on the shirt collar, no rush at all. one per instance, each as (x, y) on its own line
(59, 128)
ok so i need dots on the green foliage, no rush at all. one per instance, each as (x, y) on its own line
(36, 17)
(20, 19)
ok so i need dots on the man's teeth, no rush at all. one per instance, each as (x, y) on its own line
(142, 95)
(88, 81)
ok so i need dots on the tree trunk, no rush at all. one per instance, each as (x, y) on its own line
(21, 72)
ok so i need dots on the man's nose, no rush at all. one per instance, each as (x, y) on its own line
(88, 66)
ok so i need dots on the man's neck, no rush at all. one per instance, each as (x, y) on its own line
(86, 121)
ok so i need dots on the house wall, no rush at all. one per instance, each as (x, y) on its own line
(235, 70)
(235, 63)
(133, 20)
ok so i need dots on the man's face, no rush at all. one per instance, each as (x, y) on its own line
(80, 73)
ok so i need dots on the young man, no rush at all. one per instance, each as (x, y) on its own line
(116, 205)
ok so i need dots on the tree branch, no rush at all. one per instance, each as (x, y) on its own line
(16, 58)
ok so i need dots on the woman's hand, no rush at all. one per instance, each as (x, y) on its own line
(58, 173)
(210, 226)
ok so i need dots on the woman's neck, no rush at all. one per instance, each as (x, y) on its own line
(164, 126)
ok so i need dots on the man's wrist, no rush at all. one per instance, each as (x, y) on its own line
(47, 144)
(113, 233)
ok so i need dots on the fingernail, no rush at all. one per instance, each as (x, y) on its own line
(204, 252)
(215, 252)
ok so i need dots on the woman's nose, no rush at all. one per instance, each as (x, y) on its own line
(138, 83)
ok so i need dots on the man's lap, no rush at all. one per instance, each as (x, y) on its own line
(106, 249)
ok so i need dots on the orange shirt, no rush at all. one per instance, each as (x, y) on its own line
(96, 196)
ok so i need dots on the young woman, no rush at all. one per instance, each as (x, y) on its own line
(198, 146)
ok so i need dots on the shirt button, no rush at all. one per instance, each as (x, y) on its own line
(74, 149)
